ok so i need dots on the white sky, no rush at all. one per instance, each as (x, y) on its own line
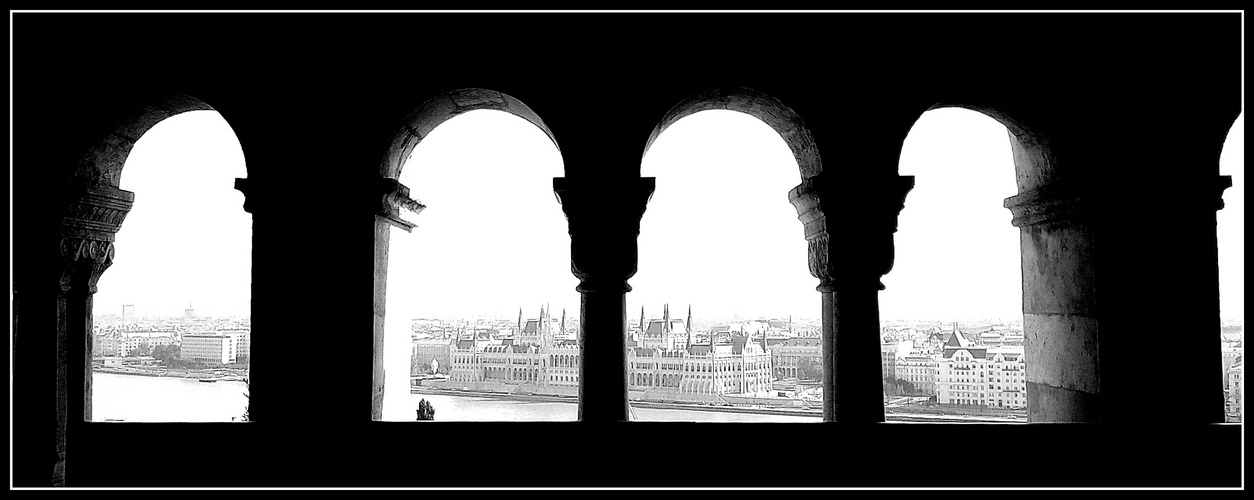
(493, 237)
(721, 203)
(957, 254)
(188, 238)
(1231, 226)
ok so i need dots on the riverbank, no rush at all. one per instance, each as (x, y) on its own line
(958, 412)
(497, 395)
(657, 396)
(896, 414)
(637, 403)
(207, 376)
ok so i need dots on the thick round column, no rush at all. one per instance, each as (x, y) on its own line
(1060, 315)
(849, 225)
(604, 221)
(603, 366)
(88, 229)
(851, 351)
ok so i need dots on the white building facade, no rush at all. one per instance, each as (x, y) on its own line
(920, 371)
(208, 348)
(741, 366)
(975, 375)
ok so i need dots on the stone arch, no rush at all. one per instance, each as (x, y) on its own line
(93, 211)
(780, 118)
(786, 122)
(101, 163)
(1033, 159)
(96, 205)
(395, 197)
(1058, 266)
(427, 116)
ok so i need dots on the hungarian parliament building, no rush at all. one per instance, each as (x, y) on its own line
(662, 354)
(667, 356)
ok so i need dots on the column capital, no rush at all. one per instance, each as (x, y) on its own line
(251, 188)
(603, 216)
(394, 200)
(1222, 183)
(84, 261)
(1053, 203)
(849, 225)
(96, 213)
(89, 225)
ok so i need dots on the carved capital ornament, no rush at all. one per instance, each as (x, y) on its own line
(849, 226)
(603, 217)
(88, 227)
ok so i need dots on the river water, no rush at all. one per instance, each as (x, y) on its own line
(136, 398)
(169, 399)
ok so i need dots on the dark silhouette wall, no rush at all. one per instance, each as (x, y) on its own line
(1116, 121)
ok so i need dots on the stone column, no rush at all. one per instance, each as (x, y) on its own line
(1211, 201)
(1060, 314)
(88, 227)
(849, 224)
(264, 207)
(394, 201)
(604, 221)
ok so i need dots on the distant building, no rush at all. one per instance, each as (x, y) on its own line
(561, 363)
(666, 333)
(1007, 378)
(888, 360)
(919, 371)
(109, 344)
(1230, 356)
(752, 327)
(128, 313)
(513, 364)
(160, 340)
(464, 361)
(736, 366)
(975, 375)
(543, 329)
(208, 348)
(787, 353)
(542, 353)
(427, 351)
(1235, 400)
(740, 366)
(550, 364)
(117, 343)
(242, 340)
